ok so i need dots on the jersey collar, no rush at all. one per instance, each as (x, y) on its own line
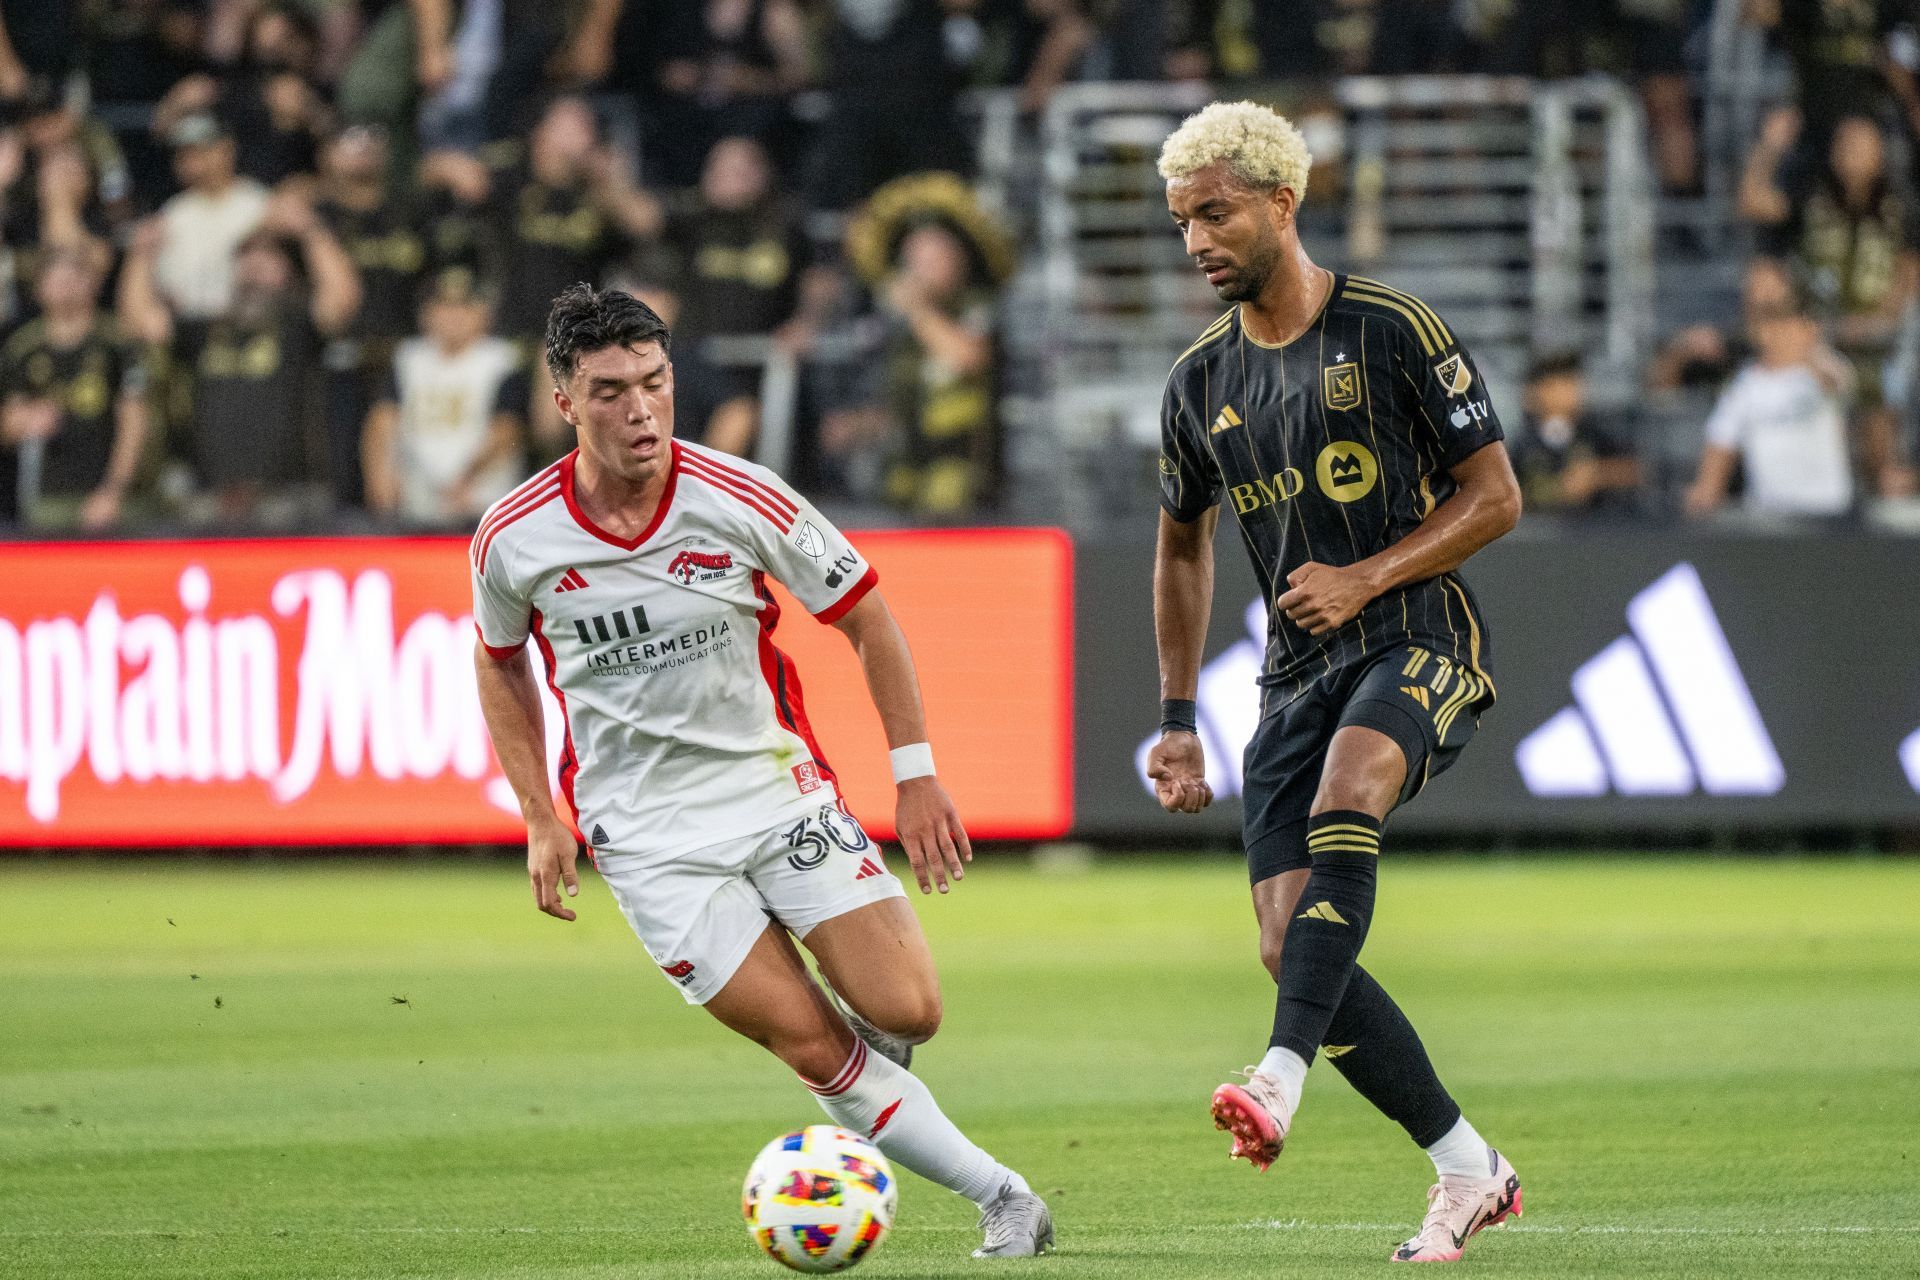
(659, 512)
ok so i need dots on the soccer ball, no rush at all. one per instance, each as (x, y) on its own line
(819, 1198)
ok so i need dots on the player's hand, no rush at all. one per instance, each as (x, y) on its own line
(930, 831)
(1325, 597)
(551, 855)
(1178, 766)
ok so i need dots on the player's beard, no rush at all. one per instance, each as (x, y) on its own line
(1249, 279)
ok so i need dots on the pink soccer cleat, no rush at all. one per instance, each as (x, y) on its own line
(1256, 1116)
(1458, 1207)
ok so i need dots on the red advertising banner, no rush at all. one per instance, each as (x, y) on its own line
(321, 691)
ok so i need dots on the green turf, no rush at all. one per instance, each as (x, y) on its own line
(1700, 1068)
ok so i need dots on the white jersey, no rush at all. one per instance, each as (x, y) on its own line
(447, 407)
(1791, 436)
(684, 724)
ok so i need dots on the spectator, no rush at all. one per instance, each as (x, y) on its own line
(444, 440)
(1565, 459)
(253, 369)
(268, 98)
(741, 262)
(203, 225)
(722, 67)
(892, 98)
(935, 260)
(1781, 420)
(1704, 356)
(384, 236)
(568, 211)
(36, 39)
(45, 197)
(88, 177)
(73, 413)
(1853, 236)
(1843, 57)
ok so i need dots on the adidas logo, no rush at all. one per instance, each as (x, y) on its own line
(1662, 711)
(868, 867)
(1418, 692)
(571, 581)
(1322, 911)
(1227, 418)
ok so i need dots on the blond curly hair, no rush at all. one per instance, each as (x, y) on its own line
(1261, 146)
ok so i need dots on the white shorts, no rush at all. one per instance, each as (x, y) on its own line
(699, 913)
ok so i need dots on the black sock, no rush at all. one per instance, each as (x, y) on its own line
(1328, 927)
(1372, 1044)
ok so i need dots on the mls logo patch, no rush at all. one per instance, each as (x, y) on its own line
(809, 541)
(1340, 386)
(1454, 375)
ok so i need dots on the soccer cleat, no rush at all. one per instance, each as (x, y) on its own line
(1458, 1207)
(1256, 1115)
(1018, 1225)
(890, 1047)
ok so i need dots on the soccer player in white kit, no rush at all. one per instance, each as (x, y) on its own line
(638, 566)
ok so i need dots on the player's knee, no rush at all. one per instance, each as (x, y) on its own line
(914, 1017)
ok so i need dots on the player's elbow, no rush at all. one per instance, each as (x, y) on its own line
(1506, 509)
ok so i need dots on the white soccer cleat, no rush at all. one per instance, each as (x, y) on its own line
(1018, 1225)
(1459, 1207)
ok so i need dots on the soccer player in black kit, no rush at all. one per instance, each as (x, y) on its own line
(1352, 438)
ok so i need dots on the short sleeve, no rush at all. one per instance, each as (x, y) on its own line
(500, 612)
(1189, 477)
(797, 545)
(1447, 401)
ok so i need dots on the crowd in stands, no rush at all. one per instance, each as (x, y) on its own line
(285, 263)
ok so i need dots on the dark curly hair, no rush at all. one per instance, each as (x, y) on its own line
(585, 320)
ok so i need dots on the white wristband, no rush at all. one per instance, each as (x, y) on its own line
(914, 760)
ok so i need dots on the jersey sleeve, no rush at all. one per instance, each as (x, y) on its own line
(501, 612)
(1189, 477)
(808, 556)
(1448, 404)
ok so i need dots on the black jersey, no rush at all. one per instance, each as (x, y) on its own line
(1331, 449)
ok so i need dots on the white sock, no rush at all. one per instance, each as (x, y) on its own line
(1463, 1152)
(876, 1097)
(1290, 1069)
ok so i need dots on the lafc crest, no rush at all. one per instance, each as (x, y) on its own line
(1454, 374)
(1340, 386)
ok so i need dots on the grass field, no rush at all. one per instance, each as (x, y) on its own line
(1700, 1067)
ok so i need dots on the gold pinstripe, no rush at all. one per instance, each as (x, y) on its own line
(1419, 328)
(1212, 331)
(1473, 629)
(1433, 317)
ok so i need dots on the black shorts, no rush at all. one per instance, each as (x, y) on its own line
(1422, 700)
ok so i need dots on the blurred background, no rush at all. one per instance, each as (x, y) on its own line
(274, 274)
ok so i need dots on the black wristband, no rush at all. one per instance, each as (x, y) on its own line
(1179, 714)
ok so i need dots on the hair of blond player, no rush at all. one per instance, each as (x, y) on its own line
(1261, 146)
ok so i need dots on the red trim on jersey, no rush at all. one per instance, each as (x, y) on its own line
(839, 608)
(569, 759)
(674, 458)
(783, 680)
(755, 498)
(527, 506)
(506, 506)
(494, 651)
(774, 498)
